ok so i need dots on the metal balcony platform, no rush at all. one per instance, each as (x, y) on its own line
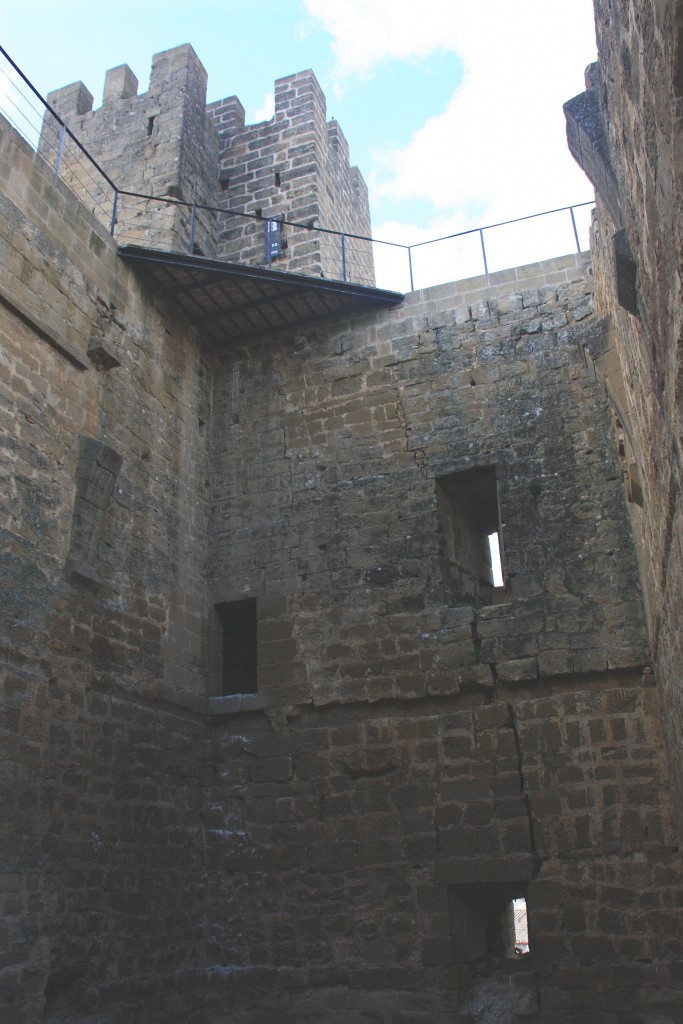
(230, 302)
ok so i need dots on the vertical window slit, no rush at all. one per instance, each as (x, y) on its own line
(520, 927)
(496, 564)
(237, 627)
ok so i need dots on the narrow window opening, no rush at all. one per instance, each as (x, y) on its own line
(277, 179)
(488, 920)
(225, 184)
(150, 125)
(237, 646)
(471, 535)
(496, 564)
(517, 928)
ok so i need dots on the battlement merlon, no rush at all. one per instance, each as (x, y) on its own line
(173, 72)
(360, 188)
(177, 70)
(299, 95)
(337, 140)
(227, 116)
(119, 84)
(71, 100)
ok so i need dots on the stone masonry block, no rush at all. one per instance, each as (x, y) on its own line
(524, 993)
(517, 671)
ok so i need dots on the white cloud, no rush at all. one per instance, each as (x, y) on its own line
(265, 111)
(499, 149)
(366, 32)
(501, 141)
(461, 256)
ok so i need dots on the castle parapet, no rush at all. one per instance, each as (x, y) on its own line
(167, 143)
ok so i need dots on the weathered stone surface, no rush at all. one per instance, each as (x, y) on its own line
(295, 168)
(166, 142)
(342, 844)
(103, 785)
(636, 88)
(158, 143)
(524, 995)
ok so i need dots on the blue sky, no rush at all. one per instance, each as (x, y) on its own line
(452, 108)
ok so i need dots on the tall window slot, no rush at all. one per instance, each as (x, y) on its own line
(471, 535)
(237, 642)
(517, 927)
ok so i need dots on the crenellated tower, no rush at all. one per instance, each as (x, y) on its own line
(293, 168)
(290, 174)
(157, 144)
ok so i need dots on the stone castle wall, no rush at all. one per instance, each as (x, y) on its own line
(634, 102)
(335, 845)
(342, 441)
(356, 856)
(425, 759)
(644, 97)
(102, 619)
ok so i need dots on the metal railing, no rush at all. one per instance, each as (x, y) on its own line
(181, 226)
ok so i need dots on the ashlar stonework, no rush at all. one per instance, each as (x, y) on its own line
(338, 834)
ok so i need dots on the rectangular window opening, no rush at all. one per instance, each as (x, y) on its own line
(237, 646)
(489, 920)
(518, 927)
(471, 535)
(496, 563)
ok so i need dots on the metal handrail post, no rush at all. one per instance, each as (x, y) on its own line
(343, 256)
(60, 150)
(410, 267)
(193, 220)
(113, 212)
(483, 253)
(576, 233)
